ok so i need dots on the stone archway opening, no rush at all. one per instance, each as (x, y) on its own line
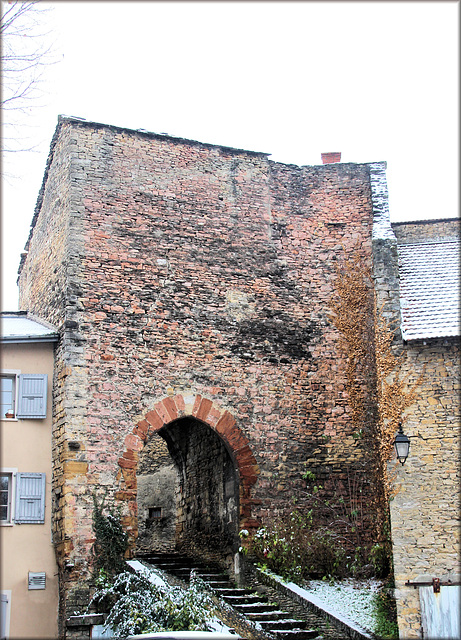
(188, 463)
(188, 493)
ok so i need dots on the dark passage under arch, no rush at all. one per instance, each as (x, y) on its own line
(205, 492)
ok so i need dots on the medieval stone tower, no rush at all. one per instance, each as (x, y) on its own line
(198, 370)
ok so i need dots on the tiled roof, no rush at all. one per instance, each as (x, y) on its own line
(429, 289)
(18, 326)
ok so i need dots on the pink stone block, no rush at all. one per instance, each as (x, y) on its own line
(133, 442)
(162, 412)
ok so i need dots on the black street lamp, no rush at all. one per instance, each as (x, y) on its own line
(402, 445)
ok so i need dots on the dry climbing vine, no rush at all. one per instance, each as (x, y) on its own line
(352, 315)
(394, 394)
(378, 396)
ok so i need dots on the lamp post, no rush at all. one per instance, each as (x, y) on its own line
(402, 445)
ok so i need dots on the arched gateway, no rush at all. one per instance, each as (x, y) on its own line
(215, 472)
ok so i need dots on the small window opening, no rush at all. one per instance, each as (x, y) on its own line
(155, 513)
(8, 396)
(6, 482)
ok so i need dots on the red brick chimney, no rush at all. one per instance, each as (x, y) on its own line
(332, 156)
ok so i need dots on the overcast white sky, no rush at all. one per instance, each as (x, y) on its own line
(374, 80)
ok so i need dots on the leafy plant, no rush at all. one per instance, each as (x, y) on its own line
(244, 535)
(321, 536)
(111, 540)
(294, 549)
(136, 605)
(385, 615)
(379, 557)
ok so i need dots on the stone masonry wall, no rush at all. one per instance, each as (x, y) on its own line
(425, 510)
(427, 230)
(157, 481)
(318, 216)
(187, 269)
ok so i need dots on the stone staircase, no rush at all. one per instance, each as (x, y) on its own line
(256, 607)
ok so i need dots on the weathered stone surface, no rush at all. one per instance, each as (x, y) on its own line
(192, 281)
(425, 510)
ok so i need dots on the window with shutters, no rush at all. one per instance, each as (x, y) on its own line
(32, 395)
(23, 396)
(30, 498)
(6, 496)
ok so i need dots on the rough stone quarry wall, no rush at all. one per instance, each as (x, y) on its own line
(178, 270)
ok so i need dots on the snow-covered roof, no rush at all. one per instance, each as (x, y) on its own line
(429, 289)
(19, 326)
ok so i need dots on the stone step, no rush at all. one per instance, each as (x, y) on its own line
(245, 599)
(259, 616)
(294, 634)
(185, 564)
(182, 575)
(185, 571)
(218, 584)
(254, 605)
(212, 575)
(235, 592)
(256, 608)
(169, 566)
(170, 558)
(286, 623)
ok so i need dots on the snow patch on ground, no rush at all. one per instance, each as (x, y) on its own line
(350, 598)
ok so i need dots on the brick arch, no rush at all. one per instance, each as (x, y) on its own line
(208, 412)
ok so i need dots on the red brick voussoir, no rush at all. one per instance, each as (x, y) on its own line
(221, 421)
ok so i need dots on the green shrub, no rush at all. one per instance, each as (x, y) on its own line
(386, 626)
(323, 535)
(136, 605)
(379, 557)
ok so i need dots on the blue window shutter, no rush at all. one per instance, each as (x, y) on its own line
(32, 395)
(30, 498)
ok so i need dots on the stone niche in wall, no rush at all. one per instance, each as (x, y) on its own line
(157, 481)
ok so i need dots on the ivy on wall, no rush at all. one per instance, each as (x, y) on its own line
(111, 540)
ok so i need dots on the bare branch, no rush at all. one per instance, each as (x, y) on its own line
(26, 53)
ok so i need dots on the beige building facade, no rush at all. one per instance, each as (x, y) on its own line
(29, 580)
